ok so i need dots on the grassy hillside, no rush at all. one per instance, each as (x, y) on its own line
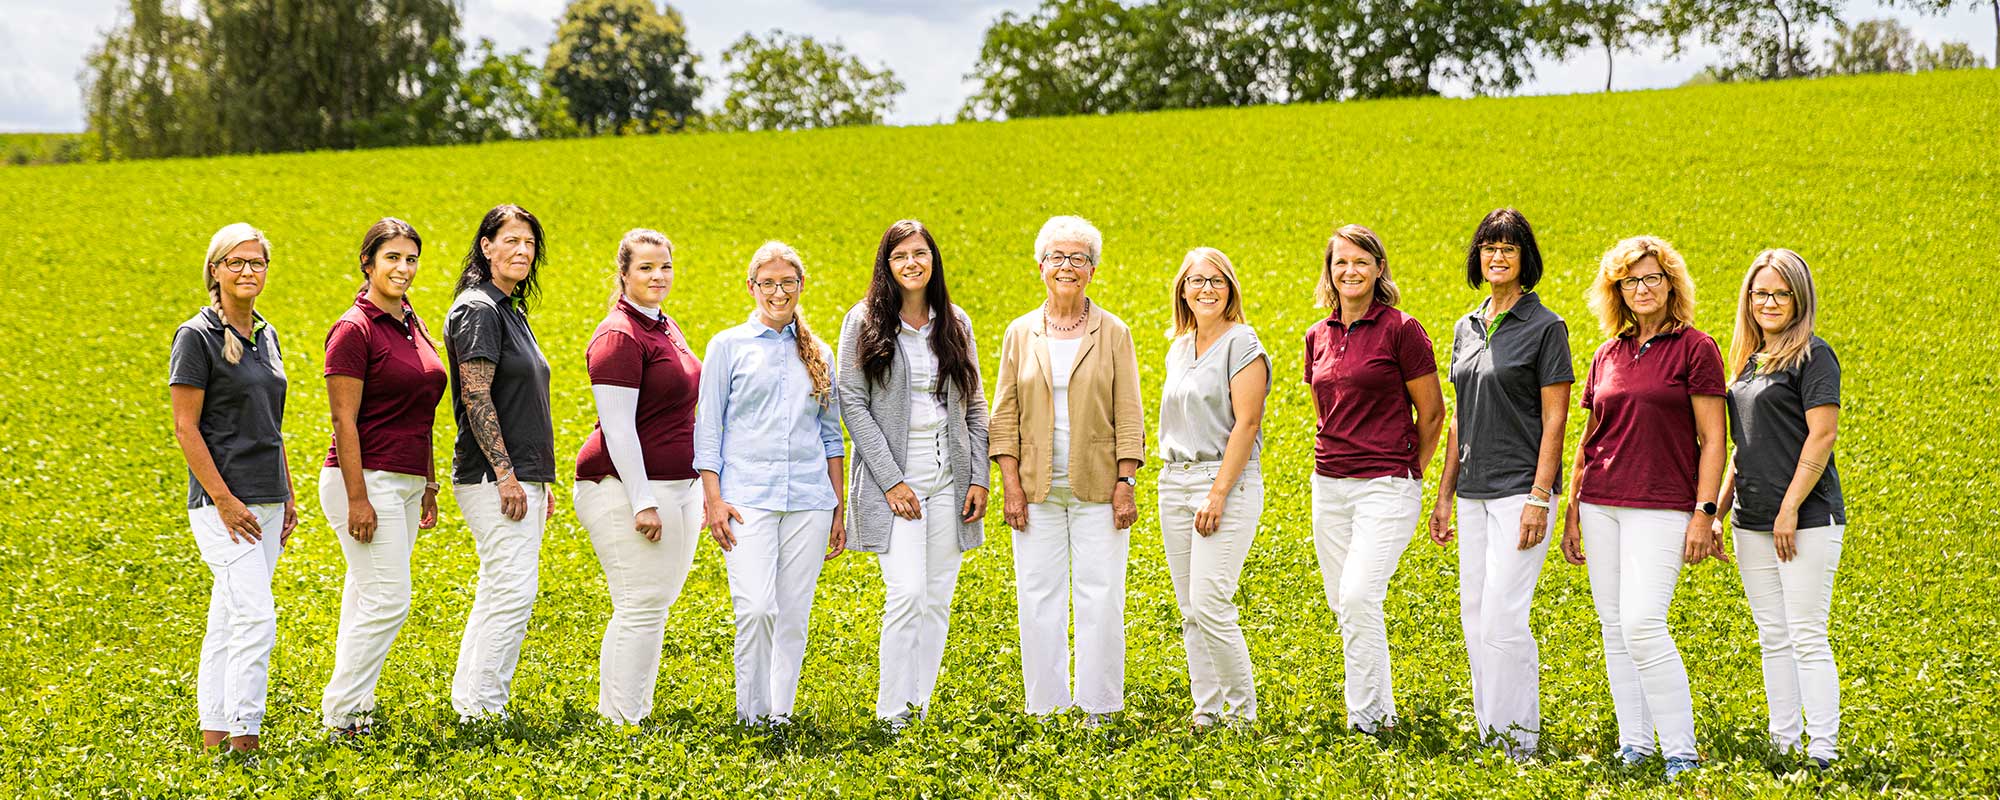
(1888, 185)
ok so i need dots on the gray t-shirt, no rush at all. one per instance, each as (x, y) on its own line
(1767, 423)
(242, 406)
(485, 324)
(1195, 412)
(1498, 385)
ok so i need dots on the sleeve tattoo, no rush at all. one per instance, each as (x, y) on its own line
(480, 415)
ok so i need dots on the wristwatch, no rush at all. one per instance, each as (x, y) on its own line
(1706, 508)
(1133, 482)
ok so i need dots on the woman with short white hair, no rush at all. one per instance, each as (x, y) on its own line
(1068, 434)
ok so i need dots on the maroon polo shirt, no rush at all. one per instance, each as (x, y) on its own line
(635, 351)
(402, 379)
(1643, 453)
(1358, 373)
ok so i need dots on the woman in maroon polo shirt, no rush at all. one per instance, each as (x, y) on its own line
(1370, 366)
(383, 382)
(1647, 474)
(636, 488)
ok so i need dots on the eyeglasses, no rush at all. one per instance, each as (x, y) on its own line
(790, 285)
(1652, 281)
(238, 265)
(1058, 260)
(1760, 296)
(1506, 251)
(1197, 282)
(920, 257)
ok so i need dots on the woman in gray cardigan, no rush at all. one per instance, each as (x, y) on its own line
(911, 399)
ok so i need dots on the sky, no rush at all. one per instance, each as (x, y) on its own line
(931, 45)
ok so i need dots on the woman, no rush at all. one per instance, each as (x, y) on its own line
(505, 461)
(1510, 370)
(636, 488)
(1069, 434)
(227, 382)
(910, 395)
(1211, 489)
(767, 444)
(383, 382)
(1647, 473)
(1784, 414)
(1369, 366)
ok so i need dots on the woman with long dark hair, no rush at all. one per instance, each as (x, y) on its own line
(910, 395)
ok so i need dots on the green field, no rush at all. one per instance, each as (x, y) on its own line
(1890, 186)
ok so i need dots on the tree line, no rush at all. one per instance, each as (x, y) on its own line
(252, 76)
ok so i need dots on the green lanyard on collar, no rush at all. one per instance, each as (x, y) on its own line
(1495, 325)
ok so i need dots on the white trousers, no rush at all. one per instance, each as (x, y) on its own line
(234, 673)
(1360, 529)
(375, 599)
(1634, 562)
(1070, 551)
(645, 578)
(919, 572)
(510, 554)
(772, 573)
(1496, 588)
(1205, 572)
(1790, 601)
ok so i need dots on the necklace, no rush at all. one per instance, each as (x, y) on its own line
(1053, 325)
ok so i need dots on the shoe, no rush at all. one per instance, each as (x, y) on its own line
(1819, 764)
(898, 723)
(1095, 721)
(1632, 756)
(1677, 766)
(1203, 722)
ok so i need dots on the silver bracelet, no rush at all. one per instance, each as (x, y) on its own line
(1541, 504)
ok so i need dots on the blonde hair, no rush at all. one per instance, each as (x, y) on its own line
(811, 352)
(1791, 346)
(1608, 303)
(623, 262)
(1232, 311)
(1386, 292)
(231, 236)
(1070, 229)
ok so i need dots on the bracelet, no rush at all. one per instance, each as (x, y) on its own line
(1550, 492)
(1541, 504)
(497, 477)
(432, 486)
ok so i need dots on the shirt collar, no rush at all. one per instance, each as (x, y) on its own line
(503, 298)
(764, 331)
(376, 314)
(905, 325)
(1528, 307)
(1375, 312)
(214, 320)
(639, 315)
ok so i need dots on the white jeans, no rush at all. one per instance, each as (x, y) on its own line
(1790, 601)
(234, 672)
(772, 573)
(919, 571)
(1496, 588)
(510, 554)
(645, 578)
(1634, 561)
(1205, 571)
(1360, 529)
(375, 599)
(1071, 551)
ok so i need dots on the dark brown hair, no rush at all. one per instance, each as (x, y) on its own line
(884, 317)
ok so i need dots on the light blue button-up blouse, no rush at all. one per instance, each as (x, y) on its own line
(758, 427)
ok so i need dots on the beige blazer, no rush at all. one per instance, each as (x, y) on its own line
(1107, 423)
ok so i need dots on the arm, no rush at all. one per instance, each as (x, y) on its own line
(871, 446)
(1441, 509)
(1247, 389)
(836, 473)
(1004, 435)
(1129, 426)
(618, 419)
(1822, 428)
(1711, 425)
(1548, 461)
(976, 434)
(711, 407)
(291, 497)
(1428, 397)
(483, 418)
(1572, 538)
(343, 399)
(236, 517)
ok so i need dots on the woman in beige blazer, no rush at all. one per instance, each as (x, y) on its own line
(1069, 434)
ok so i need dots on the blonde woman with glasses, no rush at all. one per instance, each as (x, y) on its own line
(1783, 493)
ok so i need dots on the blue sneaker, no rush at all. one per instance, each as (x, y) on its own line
(1632, 756)
(1676, 767)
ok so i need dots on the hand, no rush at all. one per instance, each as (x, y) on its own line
(361, 519)
(291, 521)
(1701, 542)
(1124, 510)
(975, 505)
(716, 516)
(513, 499)
(903, 501)
(548, 503)
(1014, 507)
(237, 519)
(428, 518)
(1572, 541)
(647, 523)
(1441, 530)
(1534, 526)
(1784, 534)
(836, 539)
(1208, 518)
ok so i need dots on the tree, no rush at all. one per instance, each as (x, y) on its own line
(1617, 26)
(1942, 6)
(502, 97)
(624, 67)
(1948, 55)
(146, 87)
(1766, 37)
(1876, 45)
(1068, 57)
(786, 82)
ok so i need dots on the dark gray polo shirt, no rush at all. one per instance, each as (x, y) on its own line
(1499, 391)
(1767, 423)
(242, 406)
(485, 324)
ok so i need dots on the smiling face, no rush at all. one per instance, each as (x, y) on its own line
(1500, 264)
(393, 269)
(649, 276)
(1067, 269)
(1644, 300)
(511, 251)
(1772, 303)
(1206, 292)
(249, 283)
(911, 262)
(776, 286)
(1353, 270)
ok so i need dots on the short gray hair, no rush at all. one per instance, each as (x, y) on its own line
(1070, 229)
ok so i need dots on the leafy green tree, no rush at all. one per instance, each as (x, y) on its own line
(624, 66)
(1766, 39)
(1616, 26)
(1876, 45)
(1935, 7)
(1068, 57)
(1948, 55)
(146, 87)
(787, 82)
(502, 96)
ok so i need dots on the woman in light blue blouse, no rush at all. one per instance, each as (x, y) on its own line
(767, 444)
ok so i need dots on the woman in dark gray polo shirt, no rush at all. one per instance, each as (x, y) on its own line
(1784, 414)
(1510, 369)
(227, 381)
(504, 461)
